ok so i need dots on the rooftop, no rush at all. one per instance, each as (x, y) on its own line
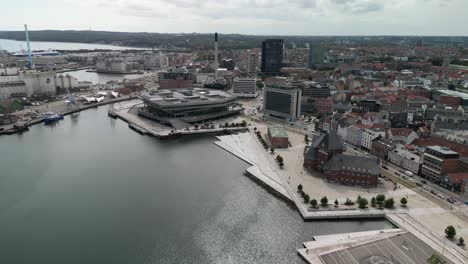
(354, 163)
(278, 132)
(443, 150)
(186, 97)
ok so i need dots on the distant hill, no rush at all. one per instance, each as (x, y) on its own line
(227, 41)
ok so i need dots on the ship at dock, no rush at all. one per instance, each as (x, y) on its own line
(51, 117)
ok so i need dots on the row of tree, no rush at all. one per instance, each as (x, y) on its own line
(241, 124)
(380, 200)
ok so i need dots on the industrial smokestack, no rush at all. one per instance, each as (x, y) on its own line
(216, 56)
(30, 62)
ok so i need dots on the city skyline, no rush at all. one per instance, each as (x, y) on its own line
(251, 17)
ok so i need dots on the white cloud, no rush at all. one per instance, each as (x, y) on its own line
(279, 17)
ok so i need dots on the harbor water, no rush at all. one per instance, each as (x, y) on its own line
(90, 190)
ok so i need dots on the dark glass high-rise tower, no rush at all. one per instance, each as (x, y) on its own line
(272, 56)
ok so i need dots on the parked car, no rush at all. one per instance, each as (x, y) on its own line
(433, 192)
(424, 182)
(419, 184)
(397, 174)
(426, 188)
(441, 196)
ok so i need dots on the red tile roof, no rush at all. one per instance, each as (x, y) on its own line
(400, 131)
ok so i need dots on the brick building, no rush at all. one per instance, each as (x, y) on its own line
(437, 161)
(353, 170)
(322, 149)
(278, 137)
(381, 146)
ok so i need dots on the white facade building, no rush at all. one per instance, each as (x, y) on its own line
(406, 159)
(111, 65)
(244, 87)
(370, 134)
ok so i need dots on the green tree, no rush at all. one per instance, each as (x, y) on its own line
(380, 198)
(314, 203)
(279, 158)
(336, 202)
(281, 164)
(255, 128)
(389, 203)
(461, 242)
(324, 201)
(450, 232)
(260, 84)
(363, 203)
(373, 201)
(244, 123)
(306, 198)
(403, 201)
(358, 198)
(306, 139)
(196, 126)
(299, 187)
(272, 150)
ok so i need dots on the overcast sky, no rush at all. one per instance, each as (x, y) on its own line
(260, 17)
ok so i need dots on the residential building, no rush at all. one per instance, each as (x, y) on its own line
(252, 64)
(354, 134)
(404, 158)
(272, 56)
(381, 147)
(278, 137)
(398, 119)
(370, 134)
(437, 161)
(402, 135)
(282, 101)
(454, 181)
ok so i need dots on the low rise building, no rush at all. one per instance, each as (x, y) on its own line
(278, 137)
(402, 135)
(454, 181)
(437, 161)
(406, 159)
(370, 134)
(381, 147)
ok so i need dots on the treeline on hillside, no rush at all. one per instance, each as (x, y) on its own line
(228, 41)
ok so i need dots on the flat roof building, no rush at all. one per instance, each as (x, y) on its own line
(178, 108)
(282, 101)
(244, 87)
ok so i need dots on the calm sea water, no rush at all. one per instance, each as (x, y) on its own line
(15, 46)
(90, 190)
(100, 78)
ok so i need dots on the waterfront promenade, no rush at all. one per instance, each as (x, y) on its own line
(420, 216)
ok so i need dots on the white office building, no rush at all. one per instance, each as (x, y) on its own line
(244, 87)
